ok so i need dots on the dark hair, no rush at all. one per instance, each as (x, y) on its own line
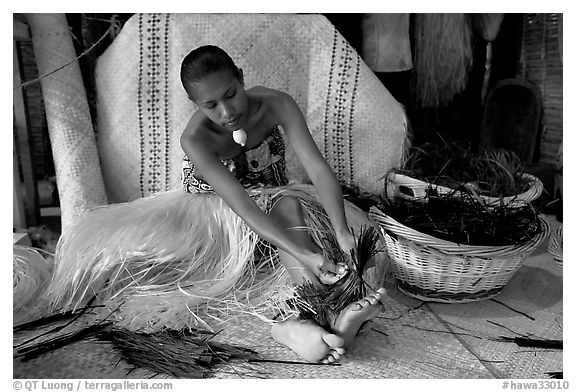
(203, 61)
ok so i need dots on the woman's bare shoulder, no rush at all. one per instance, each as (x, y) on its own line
(266, 93)
(274, 100)
(196, 134)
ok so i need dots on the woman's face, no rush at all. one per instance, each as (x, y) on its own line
(222, 98)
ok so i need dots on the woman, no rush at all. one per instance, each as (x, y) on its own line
(182, 259)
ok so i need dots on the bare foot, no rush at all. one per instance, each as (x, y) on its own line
(310, 341)
(301, 275)
(354, 315)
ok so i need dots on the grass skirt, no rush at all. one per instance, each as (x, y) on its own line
(179, 260)
(31, 272)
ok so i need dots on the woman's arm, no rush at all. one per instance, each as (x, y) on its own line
(316, 167)
(229, 188)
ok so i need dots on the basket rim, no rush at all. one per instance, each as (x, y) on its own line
(388, 223)
(535, 190)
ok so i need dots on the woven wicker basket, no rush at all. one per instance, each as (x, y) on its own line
(432, 269)
(409, 188)
(555, 245)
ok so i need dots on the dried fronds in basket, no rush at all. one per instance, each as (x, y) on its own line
(466, 219)
(493, 173)
(324, 303)
(181, 354)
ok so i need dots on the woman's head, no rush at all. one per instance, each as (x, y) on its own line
(216, 85)
(203, 61)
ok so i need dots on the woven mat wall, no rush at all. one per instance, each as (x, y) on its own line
(142, 108)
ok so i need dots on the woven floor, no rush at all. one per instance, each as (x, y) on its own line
(408, 340)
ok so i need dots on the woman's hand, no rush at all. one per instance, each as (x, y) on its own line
(326, 271)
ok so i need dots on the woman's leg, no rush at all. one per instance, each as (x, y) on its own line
(288, 213)
(315, 344)
(305, 337)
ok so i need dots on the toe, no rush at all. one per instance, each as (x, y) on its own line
(381, 292)
(334, 341)
(379, 295)
(335, 354)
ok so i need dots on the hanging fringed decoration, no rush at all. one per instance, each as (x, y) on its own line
(488, 25)
(323, 304)
(442, 58)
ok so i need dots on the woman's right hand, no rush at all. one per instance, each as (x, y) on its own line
(326, 271)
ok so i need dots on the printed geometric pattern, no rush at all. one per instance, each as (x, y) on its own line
(339, 116)
(153, 119)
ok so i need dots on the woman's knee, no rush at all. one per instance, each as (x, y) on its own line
(288, 208)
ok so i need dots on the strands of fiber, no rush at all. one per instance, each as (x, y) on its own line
(50, 319)
(466, 220)
(76, 326)
(323, 303)
(531, 342)
(170, 268)
(180, 354)
(165, 268)
(31, 274)
(442, 58)
(494, 173)
(33, 351)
